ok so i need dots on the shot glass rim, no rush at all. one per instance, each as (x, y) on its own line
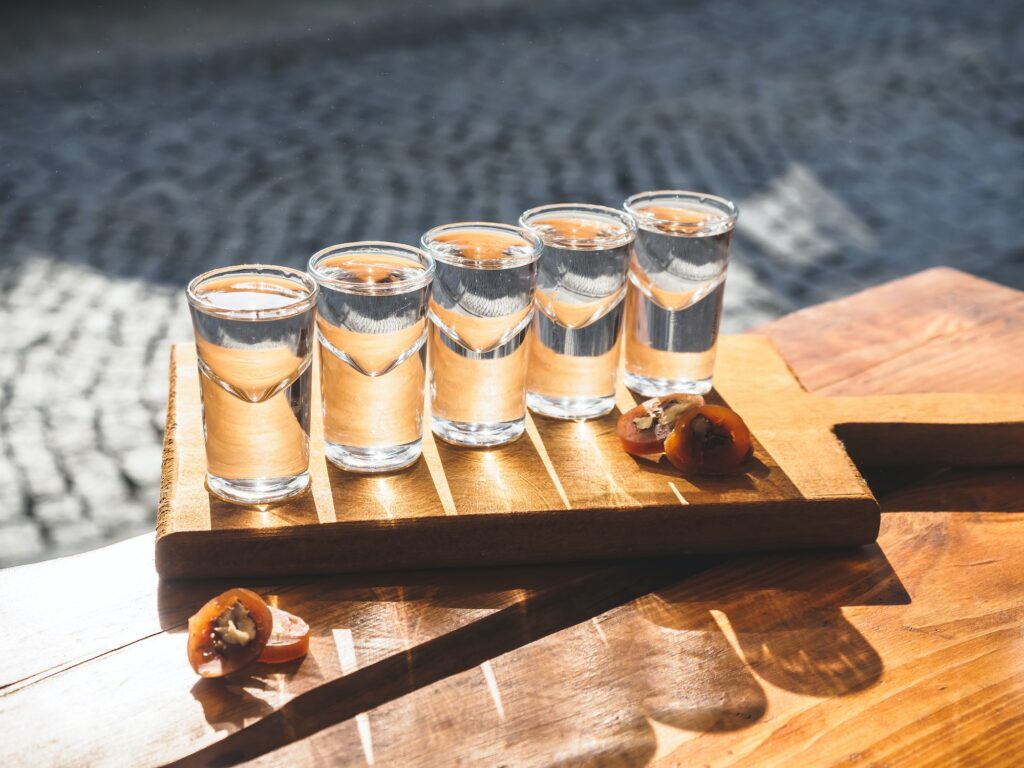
(374, 246)
(461, 261)
(296, 307)
(617, 213)
(724, 204)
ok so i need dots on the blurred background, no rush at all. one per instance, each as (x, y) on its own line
(142, 143)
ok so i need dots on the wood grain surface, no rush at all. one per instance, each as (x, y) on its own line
(569, 493)
(905, 652)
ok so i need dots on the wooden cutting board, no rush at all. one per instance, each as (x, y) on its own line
(567, 492)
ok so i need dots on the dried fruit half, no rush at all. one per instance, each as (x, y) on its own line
(289, 639)
(228, 633)
(710, 440)
(642, 430)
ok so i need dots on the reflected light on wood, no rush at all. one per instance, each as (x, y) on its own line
(538, 445)
(675, 490)
(347, 658)
(386, 496)
(668, 738)
(432, 459)
(489, 464)
(492, 687)
(600, 632)
(586, 438)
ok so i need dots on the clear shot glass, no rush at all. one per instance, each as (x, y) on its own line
(581, 284)
(372, 328)
(254, 338)
(677, 282)
(481, 306)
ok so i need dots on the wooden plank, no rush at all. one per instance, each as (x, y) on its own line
(100, 608)
(946, 362)
(858, 344)
(565, 493)
(981, 430)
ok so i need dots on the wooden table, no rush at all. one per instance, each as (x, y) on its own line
(910, 651)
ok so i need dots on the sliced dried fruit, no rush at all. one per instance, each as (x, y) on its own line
(642, 430)
(710, 440)
(228, 633)
(289, 639)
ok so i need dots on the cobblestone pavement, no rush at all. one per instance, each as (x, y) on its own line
(863, 141)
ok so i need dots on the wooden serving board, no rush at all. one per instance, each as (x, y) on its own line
(567, 492)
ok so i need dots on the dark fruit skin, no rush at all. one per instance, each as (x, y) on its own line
(204, 656)
(644, 442)
(709, 440)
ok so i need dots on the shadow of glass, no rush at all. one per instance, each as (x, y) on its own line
(603, 678)
(550, 703)
(786, 615)
(635, 746)
(447, 654)
(662, 656)
(694, 679)
(821, 654)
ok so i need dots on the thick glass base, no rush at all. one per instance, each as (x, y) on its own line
(658, 387)
(572, 408)
(259, 491)
(386, 458)
(478, 435)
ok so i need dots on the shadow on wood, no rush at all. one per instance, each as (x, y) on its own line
(958, 490)
(434, 660)
(946, 445)
(787, 623)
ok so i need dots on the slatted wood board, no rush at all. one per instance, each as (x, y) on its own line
(564, 492)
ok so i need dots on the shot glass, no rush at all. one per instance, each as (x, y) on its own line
(481, 306)
(677, 282)
(254, 338)
(581, 284)
(372, 328)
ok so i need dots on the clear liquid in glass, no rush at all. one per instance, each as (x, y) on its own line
(674, 302)
(372, 359)
(581, 282)
(481, 306)
(255, 383)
